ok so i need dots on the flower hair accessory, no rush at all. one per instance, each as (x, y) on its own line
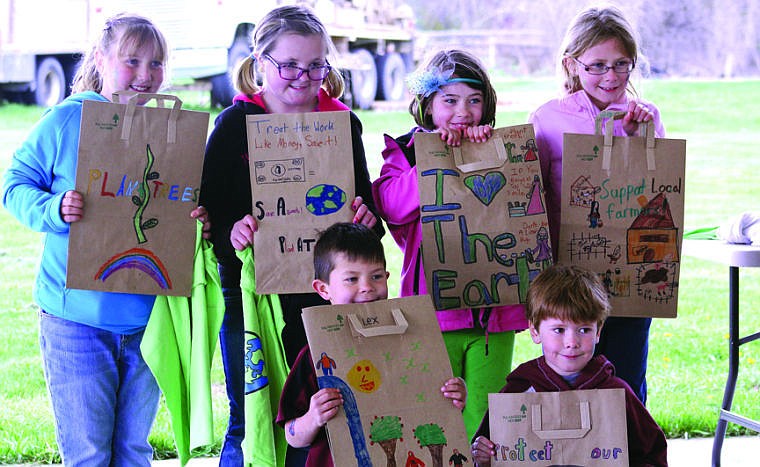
(424, 83)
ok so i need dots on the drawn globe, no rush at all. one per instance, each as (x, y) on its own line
(325, 199)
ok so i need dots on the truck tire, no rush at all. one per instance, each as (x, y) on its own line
(391, 71)
(363, 79)
(50, 83)
(222, 90)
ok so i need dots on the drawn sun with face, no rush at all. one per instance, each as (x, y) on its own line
(364, 377)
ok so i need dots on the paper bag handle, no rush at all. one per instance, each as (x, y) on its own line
(133, 98)
(501, 158)
(573, 433)
(398, 328)
(646, 130)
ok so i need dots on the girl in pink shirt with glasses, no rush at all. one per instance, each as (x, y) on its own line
(596, 60)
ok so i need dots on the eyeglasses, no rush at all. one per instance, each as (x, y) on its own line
(291, 72)
(621, 66)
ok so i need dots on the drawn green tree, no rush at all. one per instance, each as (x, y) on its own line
(509, 146)
(142, 198)
(431, 436)
(385, 431)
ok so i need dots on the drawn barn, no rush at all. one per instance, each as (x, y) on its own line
(652, 237)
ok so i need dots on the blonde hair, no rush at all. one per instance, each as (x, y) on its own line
(591, 27)
(568, 293)
(465, 65)
(127, 33)
(290, 19)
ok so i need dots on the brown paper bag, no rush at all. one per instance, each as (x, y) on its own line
(389, 361)
(302, 181)
(139, 170)
(484, 225)
(622, 215)
(570, 428)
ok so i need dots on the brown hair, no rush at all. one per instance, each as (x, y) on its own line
(290, 19)
(568, 293)
(356, 241)
(465, 65)
(590, 27)
(127, 33)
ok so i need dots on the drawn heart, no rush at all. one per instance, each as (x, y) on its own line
(485, 187)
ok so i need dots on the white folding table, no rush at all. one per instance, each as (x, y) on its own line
(736, 256)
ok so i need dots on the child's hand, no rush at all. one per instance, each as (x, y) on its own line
(478, 133)
(324, 405)
(201, 214)
(72, 207)
(363, 214)
(450, 137)
(456, 390)
(482, 451)
(242, 232)
(475, 134)
(636, 114)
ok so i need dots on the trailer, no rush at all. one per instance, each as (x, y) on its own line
(41, 42)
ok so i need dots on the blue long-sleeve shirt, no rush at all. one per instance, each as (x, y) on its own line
(42, 170)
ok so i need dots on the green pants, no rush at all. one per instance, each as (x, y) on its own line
(483, 373)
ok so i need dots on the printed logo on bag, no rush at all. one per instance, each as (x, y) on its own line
(589, 156)
(337, 326)
(518, 417)
(108, 125)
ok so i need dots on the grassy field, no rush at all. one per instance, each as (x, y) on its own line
(688, 355)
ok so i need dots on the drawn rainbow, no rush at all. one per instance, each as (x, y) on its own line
(136, 258)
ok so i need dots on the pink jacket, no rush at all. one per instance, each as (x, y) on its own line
(574, 113)
(397, 200)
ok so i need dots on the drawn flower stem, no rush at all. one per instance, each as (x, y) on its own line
(143, 199)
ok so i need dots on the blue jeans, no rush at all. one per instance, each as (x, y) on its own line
(625, 343)
(232, 343)
(104, 396)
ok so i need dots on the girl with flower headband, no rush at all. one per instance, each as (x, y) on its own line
(453, 96)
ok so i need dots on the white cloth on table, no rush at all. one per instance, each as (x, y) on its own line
(744, 228)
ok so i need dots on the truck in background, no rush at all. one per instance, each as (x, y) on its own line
(38, 41)
(41, 42)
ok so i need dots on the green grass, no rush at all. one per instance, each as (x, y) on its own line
(688, 355)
